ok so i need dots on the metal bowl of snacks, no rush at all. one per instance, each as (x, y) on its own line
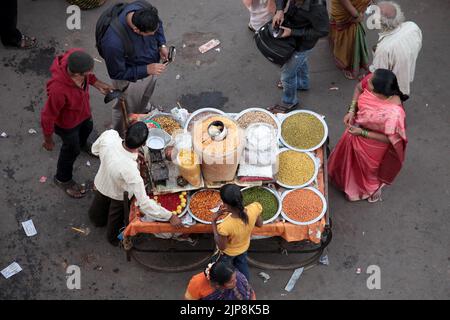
(303, 206)
(257, 115)
(303, 130)
(296, 169)
(202, 209)
(177, 203)
(267, 197)
(167, 122)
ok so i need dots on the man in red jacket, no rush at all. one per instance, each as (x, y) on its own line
(67, 112)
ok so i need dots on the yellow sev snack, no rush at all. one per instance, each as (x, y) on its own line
(295, 168)
(189, 167)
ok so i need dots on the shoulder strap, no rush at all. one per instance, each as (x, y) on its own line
(119, 28)
(144, 4)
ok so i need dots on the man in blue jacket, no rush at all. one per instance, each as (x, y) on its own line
(135, 75)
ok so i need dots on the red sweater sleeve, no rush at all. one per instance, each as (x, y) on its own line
(50, 112)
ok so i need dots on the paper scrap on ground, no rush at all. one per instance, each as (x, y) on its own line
(293, 280)
(334, 88)
(84, 231)
(209, 45)
(11, 270)
(29, 228)
(324, 260)
(265, 276)
(32, 131)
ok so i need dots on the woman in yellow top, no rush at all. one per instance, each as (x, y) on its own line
(232, 236)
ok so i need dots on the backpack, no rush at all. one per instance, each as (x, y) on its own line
(276, 50)
(110, 17)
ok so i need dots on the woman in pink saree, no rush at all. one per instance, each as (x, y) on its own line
(371, 151)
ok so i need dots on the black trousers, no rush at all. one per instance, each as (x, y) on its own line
(73, 141)
(108, 212)
(9, 34)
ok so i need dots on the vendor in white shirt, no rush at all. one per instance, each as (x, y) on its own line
(118, 173)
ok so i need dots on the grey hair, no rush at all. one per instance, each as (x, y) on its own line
(390, 23)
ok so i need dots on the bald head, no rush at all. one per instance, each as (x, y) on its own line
(391, 15)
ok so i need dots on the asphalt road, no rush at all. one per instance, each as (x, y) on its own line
(406, 235)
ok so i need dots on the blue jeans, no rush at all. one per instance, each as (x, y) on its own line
(239, 262)
(295, 76)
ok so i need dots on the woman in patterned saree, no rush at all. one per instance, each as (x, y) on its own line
(347, 36)
(220, 281)
(371, 151)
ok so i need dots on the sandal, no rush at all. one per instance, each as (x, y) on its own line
(27, 42)
(251, 28)
(282, 109)
(71, 188)
(348, 74)
(376, 196)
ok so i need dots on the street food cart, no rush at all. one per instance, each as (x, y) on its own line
(290, 242)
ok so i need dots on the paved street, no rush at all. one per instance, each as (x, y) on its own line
(407, 235)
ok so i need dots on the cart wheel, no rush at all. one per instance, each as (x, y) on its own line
(165, 255)
(307, 264)
(200, 263)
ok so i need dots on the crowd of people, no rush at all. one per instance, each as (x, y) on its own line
(130, 38)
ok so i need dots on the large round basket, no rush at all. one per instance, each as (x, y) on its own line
(319, 117)
(277, 214)
(275, 119)
(320, 216)
(307, 183)
(193, 215)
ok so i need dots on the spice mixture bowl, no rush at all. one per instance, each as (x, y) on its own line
(303, 130)
(258, 115)
(296, 169)
(167, 122)
(202, 202)
(303, 206)
(268, 198)
(172, 202)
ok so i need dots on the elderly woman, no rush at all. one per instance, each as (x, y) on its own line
(220, 281)
(371, 151)
(347, 36)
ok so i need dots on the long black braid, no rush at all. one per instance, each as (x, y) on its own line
(232, 196)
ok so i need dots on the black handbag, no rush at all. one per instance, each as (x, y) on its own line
(276, 50)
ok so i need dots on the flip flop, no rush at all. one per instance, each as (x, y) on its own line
(348, 74)
(27, 42)
(71, 188)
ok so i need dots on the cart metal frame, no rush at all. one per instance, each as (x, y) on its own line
(317, 251)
